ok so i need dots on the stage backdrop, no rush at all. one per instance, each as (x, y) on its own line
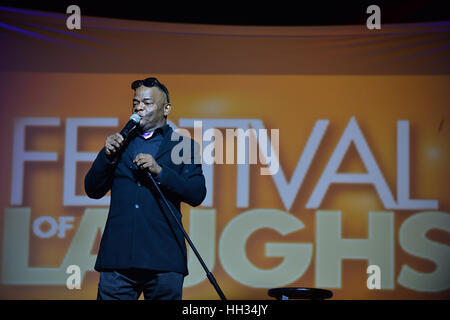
(358, 199)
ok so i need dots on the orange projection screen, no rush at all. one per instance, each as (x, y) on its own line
(361, 176)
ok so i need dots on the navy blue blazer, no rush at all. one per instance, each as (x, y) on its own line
(138, 233)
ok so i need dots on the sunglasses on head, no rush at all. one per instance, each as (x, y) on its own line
(150, 82)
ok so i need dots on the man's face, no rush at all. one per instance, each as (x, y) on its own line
(150, 104)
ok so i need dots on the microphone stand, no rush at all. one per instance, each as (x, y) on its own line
(208, 273)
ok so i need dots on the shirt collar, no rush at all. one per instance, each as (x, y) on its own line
(148, 135)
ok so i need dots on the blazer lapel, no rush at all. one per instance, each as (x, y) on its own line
(167, 144)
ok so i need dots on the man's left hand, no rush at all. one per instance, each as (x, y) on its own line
(146, 161)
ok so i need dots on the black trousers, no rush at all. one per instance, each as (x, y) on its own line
(129, 284)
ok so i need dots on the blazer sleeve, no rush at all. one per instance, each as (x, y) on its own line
(189, 185)
(98, 180)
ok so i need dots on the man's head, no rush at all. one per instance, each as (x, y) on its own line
(151, 101)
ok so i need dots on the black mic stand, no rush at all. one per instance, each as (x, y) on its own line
(208, 273)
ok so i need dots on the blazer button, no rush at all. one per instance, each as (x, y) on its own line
(139, 184)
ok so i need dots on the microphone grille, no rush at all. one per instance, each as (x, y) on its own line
(135, 118)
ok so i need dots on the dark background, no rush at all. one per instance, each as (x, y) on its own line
(282, 13)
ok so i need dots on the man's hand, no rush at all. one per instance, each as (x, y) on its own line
(146, 161)
(113, 144)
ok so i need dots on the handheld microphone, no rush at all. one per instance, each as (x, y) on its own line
(130, 126)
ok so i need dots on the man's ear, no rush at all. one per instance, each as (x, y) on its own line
(167, 109)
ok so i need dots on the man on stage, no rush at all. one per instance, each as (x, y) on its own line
(142, 249)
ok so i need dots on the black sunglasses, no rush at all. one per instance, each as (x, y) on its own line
(151, 82)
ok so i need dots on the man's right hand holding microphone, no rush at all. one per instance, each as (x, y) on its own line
(113, 144)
